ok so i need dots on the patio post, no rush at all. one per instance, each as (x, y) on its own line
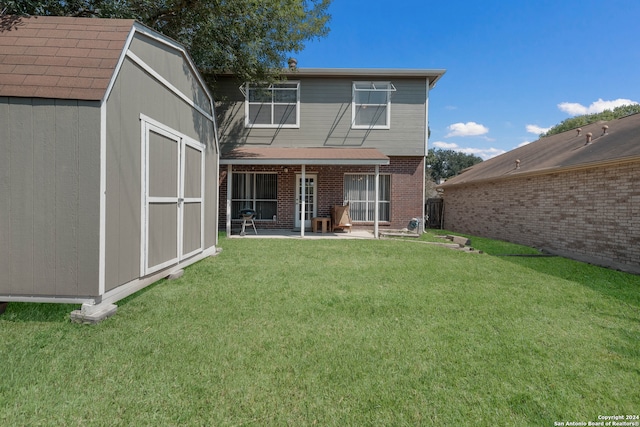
(229, 189)
(376, 215)
(303, 198)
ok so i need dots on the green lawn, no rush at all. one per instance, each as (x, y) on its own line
(338, 333)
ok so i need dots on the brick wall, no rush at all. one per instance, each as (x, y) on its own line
(589, 214)
(406, 191)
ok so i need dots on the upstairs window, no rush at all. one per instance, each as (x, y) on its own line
(272, 106)
(371, 106)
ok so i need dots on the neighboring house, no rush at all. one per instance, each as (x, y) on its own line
(576, 194)
(108, 161)
(341, 132)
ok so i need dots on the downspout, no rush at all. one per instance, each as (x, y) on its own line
(421, 224)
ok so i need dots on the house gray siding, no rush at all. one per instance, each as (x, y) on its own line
(325, 118)
(133, 93)
(49, 187)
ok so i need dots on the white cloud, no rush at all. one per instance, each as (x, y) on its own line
(535, 129)
(466, 129)
(575, 109)
(522, 144)
(483, 153)
(445, 145)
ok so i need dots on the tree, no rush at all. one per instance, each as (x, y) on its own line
(251, 38)
(578, 121)
(443, 164)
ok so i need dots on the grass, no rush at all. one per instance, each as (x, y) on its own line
(348, 332)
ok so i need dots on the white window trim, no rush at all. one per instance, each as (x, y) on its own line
(388, 202)
(245, 91)
(254, 199)
(383, 87)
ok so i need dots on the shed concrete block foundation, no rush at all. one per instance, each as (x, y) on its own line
(175, 274)
(92, 314)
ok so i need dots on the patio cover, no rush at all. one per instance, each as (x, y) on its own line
(307, 156)
(303, 156)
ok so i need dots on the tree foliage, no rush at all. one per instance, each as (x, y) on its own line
(443, 164)
(251, 38)
(578, 121)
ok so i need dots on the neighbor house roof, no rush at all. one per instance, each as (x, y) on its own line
(308, 156)
(612, 142)
(59, 57)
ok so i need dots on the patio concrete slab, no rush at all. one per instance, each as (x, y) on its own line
(308, 234)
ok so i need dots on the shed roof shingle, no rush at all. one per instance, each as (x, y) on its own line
(60, 57)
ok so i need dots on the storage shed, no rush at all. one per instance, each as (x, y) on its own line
(108, 161)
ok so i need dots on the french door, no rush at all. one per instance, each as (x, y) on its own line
(310, 199)
(172, 202)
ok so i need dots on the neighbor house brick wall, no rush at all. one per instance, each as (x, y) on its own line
(589, 214)
(406, 191)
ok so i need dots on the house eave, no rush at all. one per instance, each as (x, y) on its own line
(538, 172)
(303, 161)
(304, 156)
(432, 74)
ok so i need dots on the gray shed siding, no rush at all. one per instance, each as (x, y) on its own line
(133, 93)
(170, 64)
(325, 118)
(49, 187)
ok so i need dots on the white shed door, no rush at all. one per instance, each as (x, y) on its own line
(172, 205)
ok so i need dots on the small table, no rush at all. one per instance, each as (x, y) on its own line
(325, 223)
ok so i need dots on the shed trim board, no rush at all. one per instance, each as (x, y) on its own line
(102, 268)
(142, 29)
(135, 285)
(166, 83)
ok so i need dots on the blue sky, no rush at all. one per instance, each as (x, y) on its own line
(514, 67)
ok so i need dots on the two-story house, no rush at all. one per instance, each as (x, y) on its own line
(327, 137)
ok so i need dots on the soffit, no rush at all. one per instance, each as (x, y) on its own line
(363, 73)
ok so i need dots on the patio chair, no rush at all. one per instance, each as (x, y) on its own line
(340, 218)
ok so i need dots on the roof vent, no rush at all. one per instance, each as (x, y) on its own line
(579, 131)
(293, 63)
(589, 135)
(605, 129)
(517, 163)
